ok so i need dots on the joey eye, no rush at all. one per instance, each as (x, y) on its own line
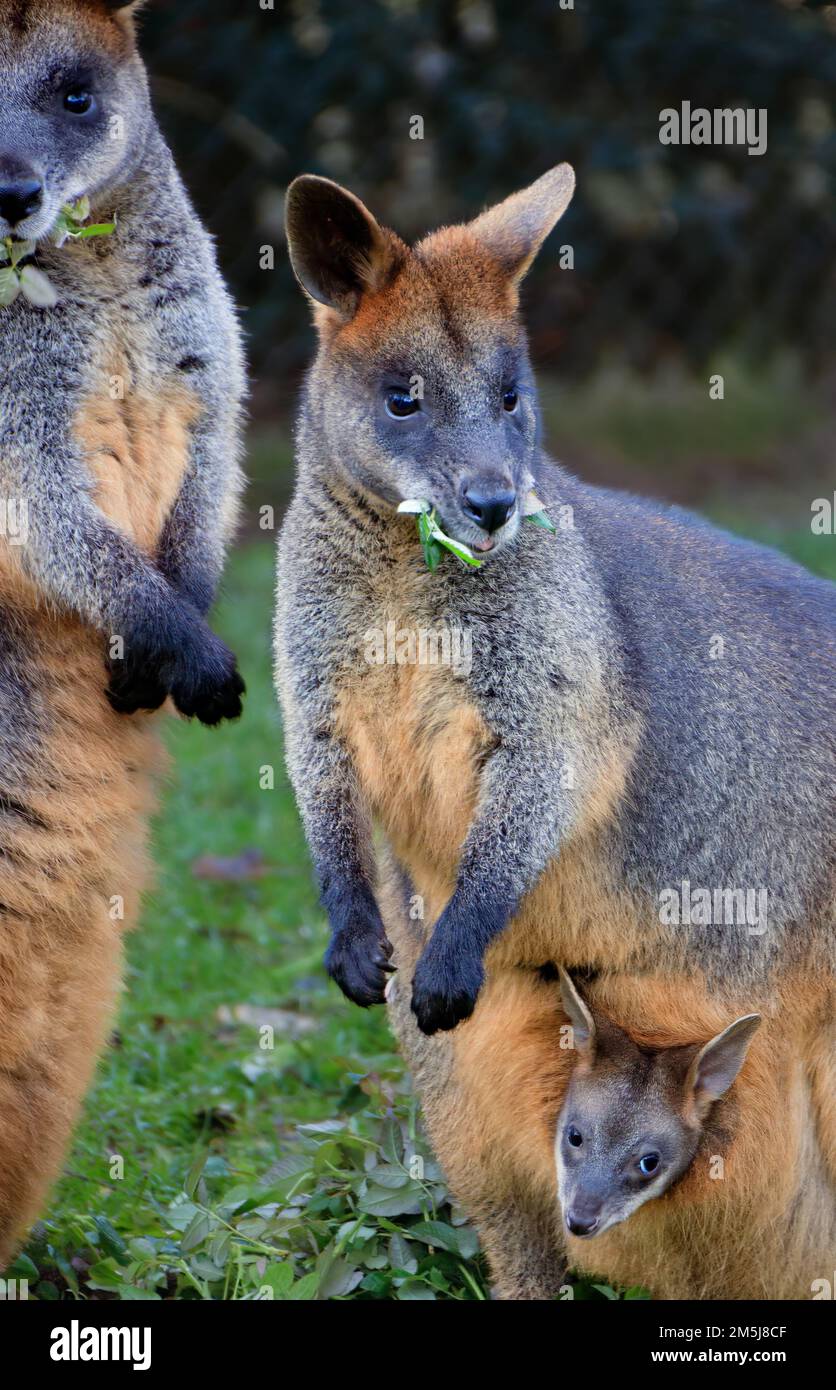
(78, 102)
(574, 1137)
(399, 404)
(510, 400)
(648, 1164)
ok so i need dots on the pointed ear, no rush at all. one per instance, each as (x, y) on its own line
(337, 249)
(716, 1065)
(583, 1024)
(125, 11)
(514, 231)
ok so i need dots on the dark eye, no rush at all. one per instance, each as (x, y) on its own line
(78, 102)
(400, 404)
(510, 400)
(648, 1164)
(574, 1136)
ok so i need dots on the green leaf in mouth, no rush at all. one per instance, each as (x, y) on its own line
(28, 280)
(9, 286)
(536, 512)
(433, 539)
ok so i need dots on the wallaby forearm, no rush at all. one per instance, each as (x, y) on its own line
(523, 816)
(193, 543)
(196, 334)
(335, 816)
(337, 825)
(338, 831)
(74, 556)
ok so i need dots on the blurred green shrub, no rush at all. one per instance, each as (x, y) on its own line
(678, 251)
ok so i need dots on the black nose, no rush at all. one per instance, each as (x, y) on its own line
(19, 199)
(490, 510)
(581, 1225)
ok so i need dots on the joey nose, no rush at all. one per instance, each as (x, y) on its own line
(19, 198)
(581, 1223)
(490, 508)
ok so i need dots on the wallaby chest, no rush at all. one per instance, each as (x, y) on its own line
(133, 415)
(407, 713)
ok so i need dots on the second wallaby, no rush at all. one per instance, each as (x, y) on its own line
(634, 1117)
(120, 415)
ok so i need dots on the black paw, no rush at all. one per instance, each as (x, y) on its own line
(359, 953)
(207, 684)
(445, 986)
(180, 657)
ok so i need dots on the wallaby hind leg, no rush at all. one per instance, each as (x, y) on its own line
(58, 981)
(490, 1094)
(523, 1248)
(519, 1232)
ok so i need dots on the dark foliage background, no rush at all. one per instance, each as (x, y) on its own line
(678, 250)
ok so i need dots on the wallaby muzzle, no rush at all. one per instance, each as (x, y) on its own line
(21, 191)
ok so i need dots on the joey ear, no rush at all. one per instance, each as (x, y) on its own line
(513, 231)
(337, 249)
(583, 1024)
(717, 1064)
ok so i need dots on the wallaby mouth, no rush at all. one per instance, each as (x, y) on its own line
(491, 544)
(585, 1226)
(584, 1230)
(21, 197)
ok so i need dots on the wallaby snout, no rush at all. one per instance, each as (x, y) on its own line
(21, 191)
(583, 1220)
(488, 504)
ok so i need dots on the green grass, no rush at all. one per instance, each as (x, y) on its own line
(252, 1171)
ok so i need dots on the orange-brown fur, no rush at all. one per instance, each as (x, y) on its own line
(136, 449)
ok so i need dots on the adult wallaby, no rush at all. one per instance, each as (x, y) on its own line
(650, 705)
(119, 441)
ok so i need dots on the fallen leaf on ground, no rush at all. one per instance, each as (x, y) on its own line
(236, 869)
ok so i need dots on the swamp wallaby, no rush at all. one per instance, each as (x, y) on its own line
(650, 705)
(119, 478)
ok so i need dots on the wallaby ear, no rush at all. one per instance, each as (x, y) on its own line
(583, 1024)
(514, 231)
(716, 1065)
(337, 249)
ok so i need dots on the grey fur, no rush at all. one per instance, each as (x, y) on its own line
(732, 782)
